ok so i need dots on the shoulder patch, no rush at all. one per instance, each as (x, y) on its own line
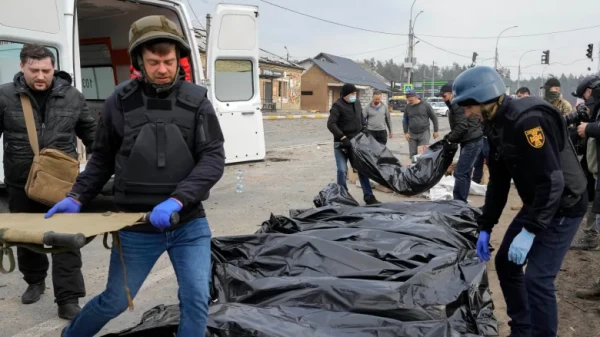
(535, 137)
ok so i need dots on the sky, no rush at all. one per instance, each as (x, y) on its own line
(447, 20)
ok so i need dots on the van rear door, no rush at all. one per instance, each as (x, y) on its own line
(233, 83)
(33, 21)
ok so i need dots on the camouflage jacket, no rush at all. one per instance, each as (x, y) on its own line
(563, 105)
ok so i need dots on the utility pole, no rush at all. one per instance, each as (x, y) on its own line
(432, 78)
(598, 71)
(411, 43)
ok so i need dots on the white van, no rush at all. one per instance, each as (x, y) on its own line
(90, 41)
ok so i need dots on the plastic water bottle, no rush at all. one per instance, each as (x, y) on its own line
(239, 187)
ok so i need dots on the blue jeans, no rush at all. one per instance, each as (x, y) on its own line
(341, 161)
(531, 296)
(462, 173)
(189, 250)
(478, 168)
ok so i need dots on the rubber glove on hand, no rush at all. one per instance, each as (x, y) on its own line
(519, 248)
(67, 205)
(161, 214)
(483, 246)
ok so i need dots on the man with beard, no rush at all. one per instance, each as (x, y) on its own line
(161, 138)
(61, 114)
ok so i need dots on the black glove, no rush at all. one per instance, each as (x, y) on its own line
(346, 143)
(365, 130)
(446, 138)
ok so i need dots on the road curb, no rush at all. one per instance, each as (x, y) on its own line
(307, 116)
(310, 116)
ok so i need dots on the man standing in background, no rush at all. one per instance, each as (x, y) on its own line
(416, 123)
(468, 132)
(378, 119)
(61, 115)
(523, 92)
(553, 96)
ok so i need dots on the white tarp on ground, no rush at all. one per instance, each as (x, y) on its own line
(443, 189)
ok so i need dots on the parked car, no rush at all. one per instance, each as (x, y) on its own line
(440, 108)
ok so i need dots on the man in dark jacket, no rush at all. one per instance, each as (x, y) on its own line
(161, 138)
(345, 122)
(416, 123)
(468, 132)
(529, 144)
(61, 115)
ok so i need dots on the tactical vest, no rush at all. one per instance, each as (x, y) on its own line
(158, 147)
(574, 177)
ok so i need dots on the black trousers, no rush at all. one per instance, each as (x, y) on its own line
(66, 267)
(380, 136)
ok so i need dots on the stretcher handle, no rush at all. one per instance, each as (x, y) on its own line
(72, 241)
(174, 218)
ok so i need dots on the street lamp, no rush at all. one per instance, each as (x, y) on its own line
(411, 36)
(519, 76)
(288, 53)
(498, 40)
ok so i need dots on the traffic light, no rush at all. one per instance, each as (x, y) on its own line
(546, 57)
(590, 48)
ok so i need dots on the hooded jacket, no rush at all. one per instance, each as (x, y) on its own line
(65, 117)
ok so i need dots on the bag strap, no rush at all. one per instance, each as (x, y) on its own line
(30, 122)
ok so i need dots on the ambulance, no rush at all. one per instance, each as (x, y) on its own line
(90, 38)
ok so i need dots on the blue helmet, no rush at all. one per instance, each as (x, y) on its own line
(479, 84)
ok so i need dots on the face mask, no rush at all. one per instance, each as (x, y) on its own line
(352, 99)
(552, 96)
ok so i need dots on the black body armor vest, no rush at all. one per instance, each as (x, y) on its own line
(502, 135)
(158, 146)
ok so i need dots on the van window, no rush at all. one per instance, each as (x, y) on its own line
(234, 80)
(97, 82)
(10, 60)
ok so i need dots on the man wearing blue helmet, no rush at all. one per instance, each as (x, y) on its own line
(529, 144)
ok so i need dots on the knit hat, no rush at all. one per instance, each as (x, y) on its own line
(552, 82)
(347, 89)
(446, 88)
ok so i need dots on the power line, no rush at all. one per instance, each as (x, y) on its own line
(440, 48)
(429, 35)
(376, 50)
(512, 36)
(332, 22)
(196, 16)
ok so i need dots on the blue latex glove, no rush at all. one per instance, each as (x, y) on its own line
(520, 247)
(67, 205)
(161, 214)
(483, 246)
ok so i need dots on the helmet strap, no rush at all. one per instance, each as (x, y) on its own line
(159, 87)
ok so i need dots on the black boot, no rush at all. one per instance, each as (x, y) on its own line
(33, 293)
(370, 200)
(592, 293)
(585, 242)
(68, 311)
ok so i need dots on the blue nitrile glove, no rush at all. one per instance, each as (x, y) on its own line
(483, 246)
(520, 247)
(67, 205)
(161, 214)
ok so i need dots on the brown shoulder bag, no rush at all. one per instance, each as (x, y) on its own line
(53, 172)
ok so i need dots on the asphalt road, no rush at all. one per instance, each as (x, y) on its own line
(299, 163)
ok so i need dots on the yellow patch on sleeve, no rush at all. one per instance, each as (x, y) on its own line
(535, 137)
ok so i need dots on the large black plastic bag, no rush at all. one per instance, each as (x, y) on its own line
(334, 195)
(377, 162)
(397, 269)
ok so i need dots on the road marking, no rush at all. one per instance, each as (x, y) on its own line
(311, 116)
(58, 323)
(292, 147)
